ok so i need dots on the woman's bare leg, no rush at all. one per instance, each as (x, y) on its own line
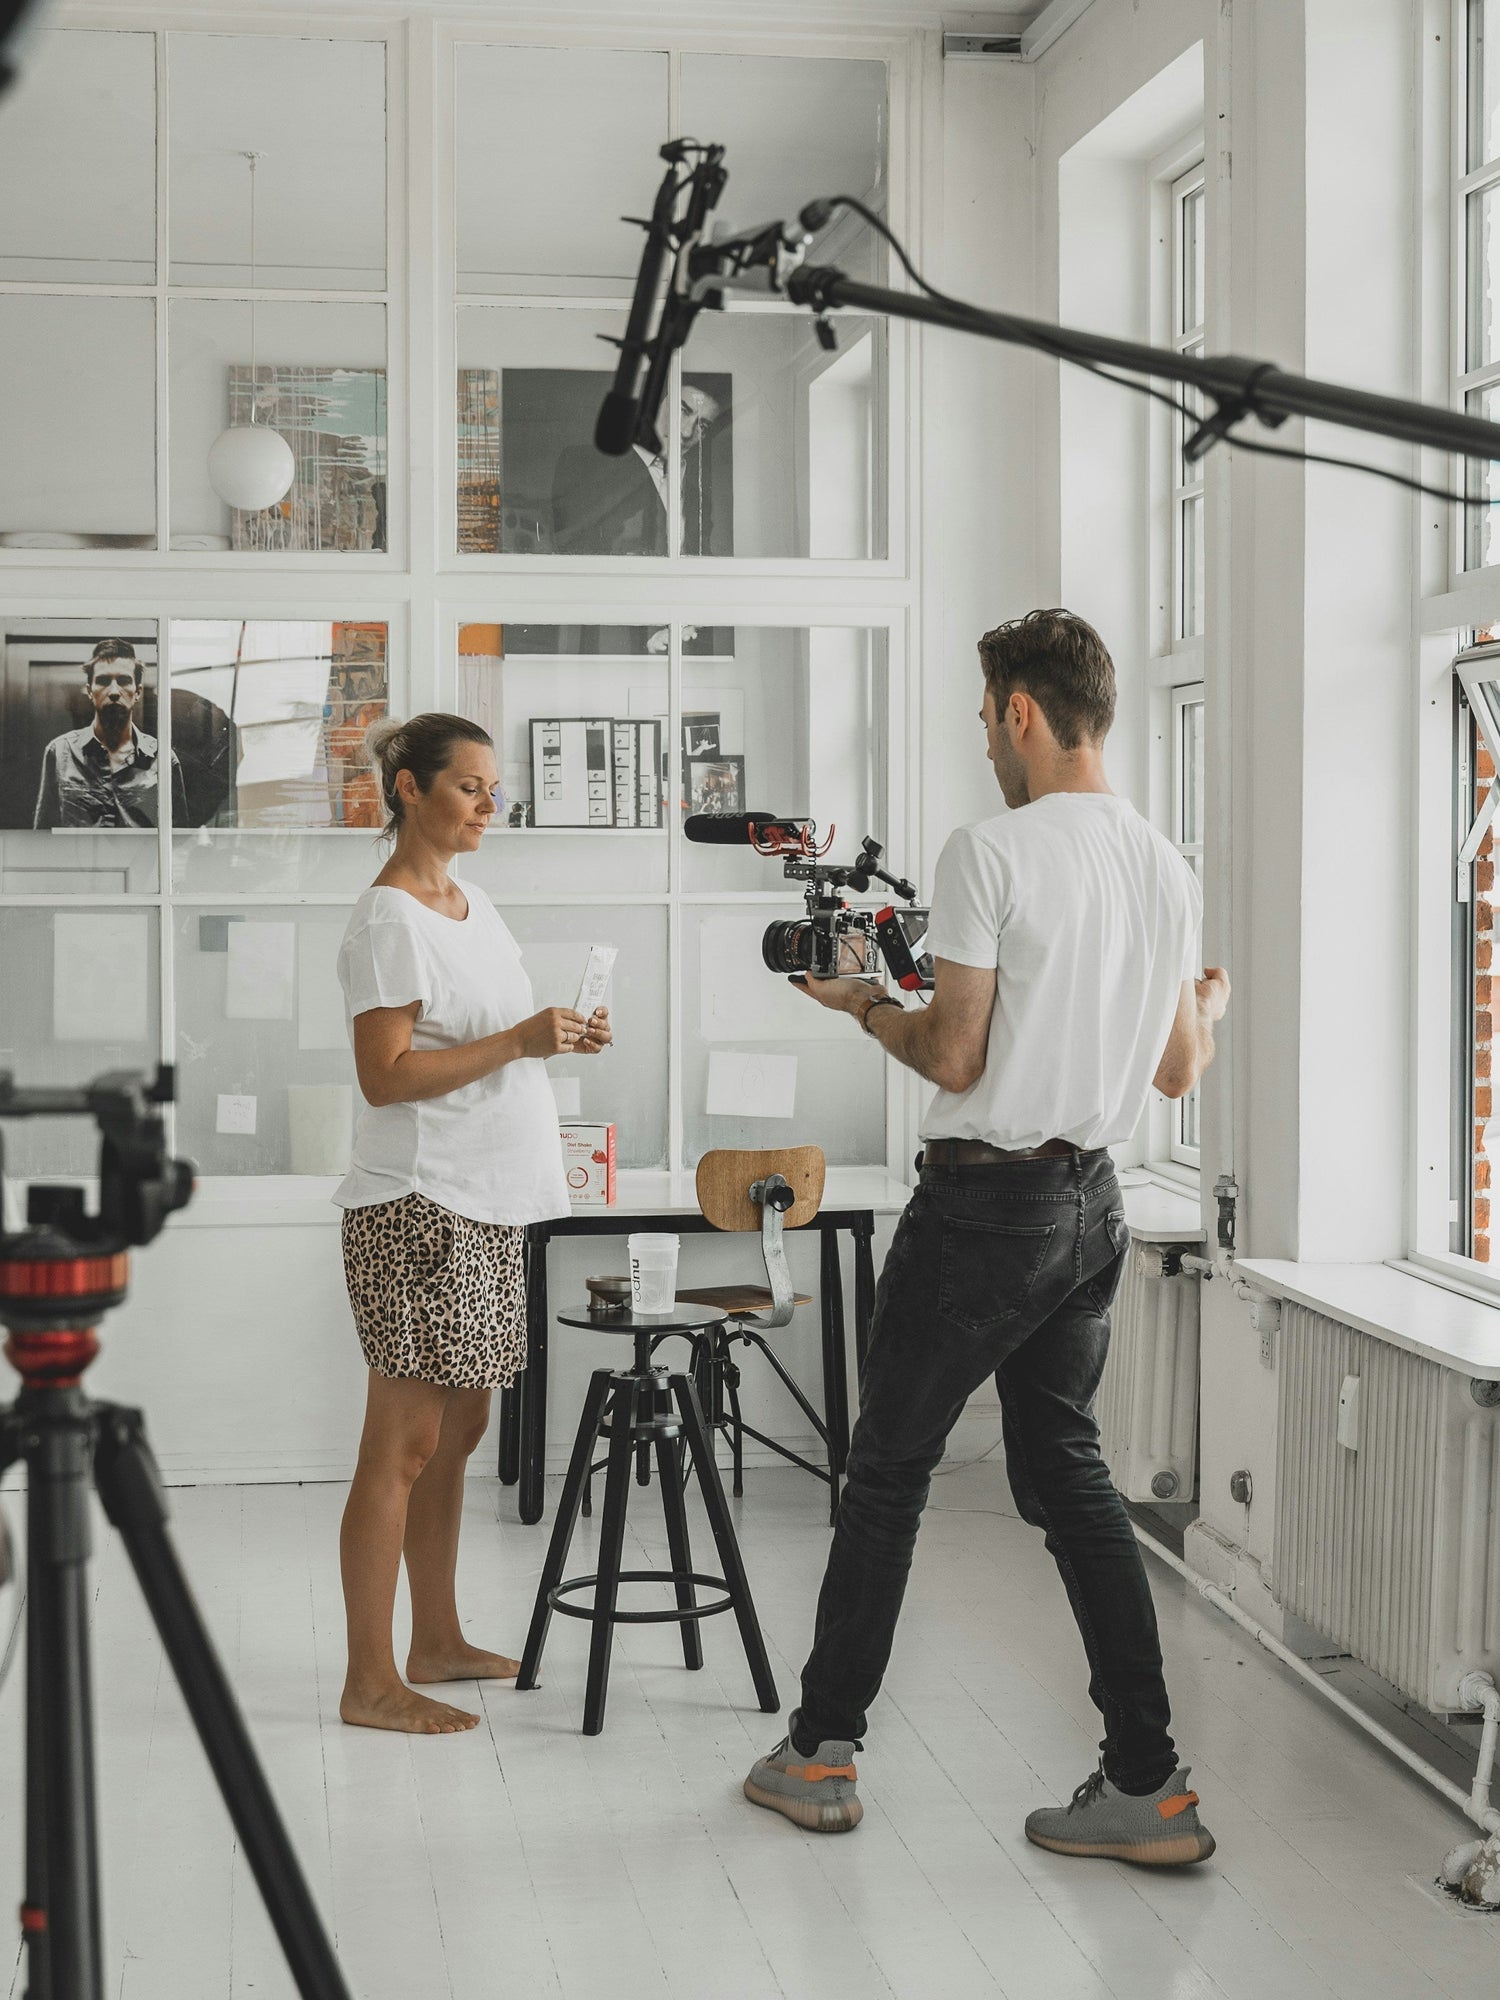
(403, 1424)
(439, 1650)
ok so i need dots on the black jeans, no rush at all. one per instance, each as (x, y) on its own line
(1006, 1270)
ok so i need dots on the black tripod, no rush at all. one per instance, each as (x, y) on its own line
(57, 1279)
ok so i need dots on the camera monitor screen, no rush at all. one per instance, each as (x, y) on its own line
(903, 942)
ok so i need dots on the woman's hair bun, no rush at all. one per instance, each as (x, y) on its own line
(379, 736)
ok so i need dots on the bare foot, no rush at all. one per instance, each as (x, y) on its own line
(400, 1708)
(460, 1662)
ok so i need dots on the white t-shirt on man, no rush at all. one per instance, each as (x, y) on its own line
(1090, 918)
(490, 1150)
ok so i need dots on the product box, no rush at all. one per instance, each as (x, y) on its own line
(589, 1163)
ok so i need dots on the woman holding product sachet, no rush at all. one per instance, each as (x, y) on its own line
(455, 1152)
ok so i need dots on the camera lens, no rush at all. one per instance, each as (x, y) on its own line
(789, 947)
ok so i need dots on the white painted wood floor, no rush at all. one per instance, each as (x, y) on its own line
(526, 1859)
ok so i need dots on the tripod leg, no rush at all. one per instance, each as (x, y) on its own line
(575, 1491)
(730, 1560)
(679, 1548)
(130, 1488)
(39, 1984)
(66, 1958)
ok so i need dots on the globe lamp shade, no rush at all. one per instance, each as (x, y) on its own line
(250, 466)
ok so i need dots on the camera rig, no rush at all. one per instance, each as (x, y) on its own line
(58, 1277)
(833, 938)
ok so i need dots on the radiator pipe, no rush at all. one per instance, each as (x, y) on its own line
(1477, 1862)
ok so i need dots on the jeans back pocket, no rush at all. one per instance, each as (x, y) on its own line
(987, 1269)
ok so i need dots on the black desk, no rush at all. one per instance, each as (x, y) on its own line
(523, 1409)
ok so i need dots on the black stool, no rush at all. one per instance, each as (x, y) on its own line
(644, 1409)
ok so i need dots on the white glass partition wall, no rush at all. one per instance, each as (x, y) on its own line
(199, 919)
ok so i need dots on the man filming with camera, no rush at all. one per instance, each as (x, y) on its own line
(1064, 936)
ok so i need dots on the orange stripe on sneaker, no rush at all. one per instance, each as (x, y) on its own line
(814, 1773)
(1170, 1808)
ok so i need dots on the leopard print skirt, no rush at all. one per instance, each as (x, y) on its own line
(435, 1296)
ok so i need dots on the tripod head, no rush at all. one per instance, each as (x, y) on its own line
(66, 1269)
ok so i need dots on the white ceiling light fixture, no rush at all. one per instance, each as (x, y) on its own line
(250, 466)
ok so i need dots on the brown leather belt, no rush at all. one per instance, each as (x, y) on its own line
(975, 1153)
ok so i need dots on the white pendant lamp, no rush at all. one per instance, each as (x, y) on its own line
(250, 466)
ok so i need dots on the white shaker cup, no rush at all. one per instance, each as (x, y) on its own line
(653, 1273)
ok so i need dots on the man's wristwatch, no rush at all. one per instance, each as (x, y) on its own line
(881, 1000)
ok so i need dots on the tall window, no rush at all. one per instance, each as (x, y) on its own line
(1187, 338)
(1478, 221)
(1178, 496)
(1187, 833)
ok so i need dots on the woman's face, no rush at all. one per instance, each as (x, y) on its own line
(455, 813)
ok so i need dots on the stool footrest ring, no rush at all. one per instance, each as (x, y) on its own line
(676, 1614)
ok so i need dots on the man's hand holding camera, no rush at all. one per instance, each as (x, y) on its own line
(845, 995)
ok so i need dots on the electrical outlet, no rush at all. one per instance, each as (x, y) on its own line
(1267, 1347)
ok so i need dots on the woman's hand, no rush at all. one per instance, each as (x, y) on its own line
(598, 1034)
(556, 1031)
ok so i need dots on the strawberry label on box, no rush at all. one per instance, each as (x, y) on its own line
(589, 1164)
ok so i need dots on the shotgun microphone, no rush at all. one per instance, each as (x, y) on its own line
(738, 829)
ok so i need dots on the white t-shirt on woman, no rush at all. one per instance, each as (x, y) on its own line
(490, 1150)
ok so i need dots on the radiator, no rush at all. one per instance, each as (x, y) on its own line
(1147, 1408)
(1390, 1542)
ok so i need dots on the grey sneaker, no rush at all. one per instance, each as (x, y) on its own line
(815, 1792)
(1161, 1830)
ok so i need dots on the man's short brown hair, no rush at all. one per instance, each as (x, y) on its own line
(1061, 662)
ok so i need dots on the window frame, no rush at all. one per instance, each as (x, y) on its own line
(1184, 1112)
(1466, 528)
(1177, 667)
(1189, 496)
(395, 557)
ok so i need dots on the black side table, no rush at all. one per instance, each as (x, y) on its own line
(644, 1408)
(523, 1408)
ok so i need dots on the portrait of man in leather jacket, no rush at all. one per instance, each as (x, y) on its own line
(107, 773)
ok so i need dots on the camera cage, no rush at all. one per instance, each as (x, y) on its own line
(795, 843)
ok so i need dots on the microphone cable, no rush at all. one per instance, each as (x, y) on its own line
(1142, 386)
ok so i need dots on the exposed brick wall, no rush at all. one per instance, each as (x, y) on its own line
(1484, 947)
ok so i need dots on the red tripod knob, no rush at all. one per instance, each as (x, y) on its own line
(51, 1358)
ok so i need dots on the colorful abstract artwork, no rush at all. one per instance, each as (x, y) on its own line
(478, 462)
(334, 419)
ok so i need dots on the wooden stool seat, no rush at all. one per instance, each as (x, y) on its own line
(732, 1299)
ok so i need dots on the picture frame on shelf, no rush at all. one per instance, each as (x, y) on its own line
(700, 738)
(572, 772)
(715, 784)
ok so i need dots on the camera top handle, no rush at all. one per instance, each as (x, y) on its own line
(856, 875)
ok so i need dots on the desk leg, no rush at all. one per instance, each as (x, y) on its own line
(864, 1289)
(511, 1400)
(534, 1395)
